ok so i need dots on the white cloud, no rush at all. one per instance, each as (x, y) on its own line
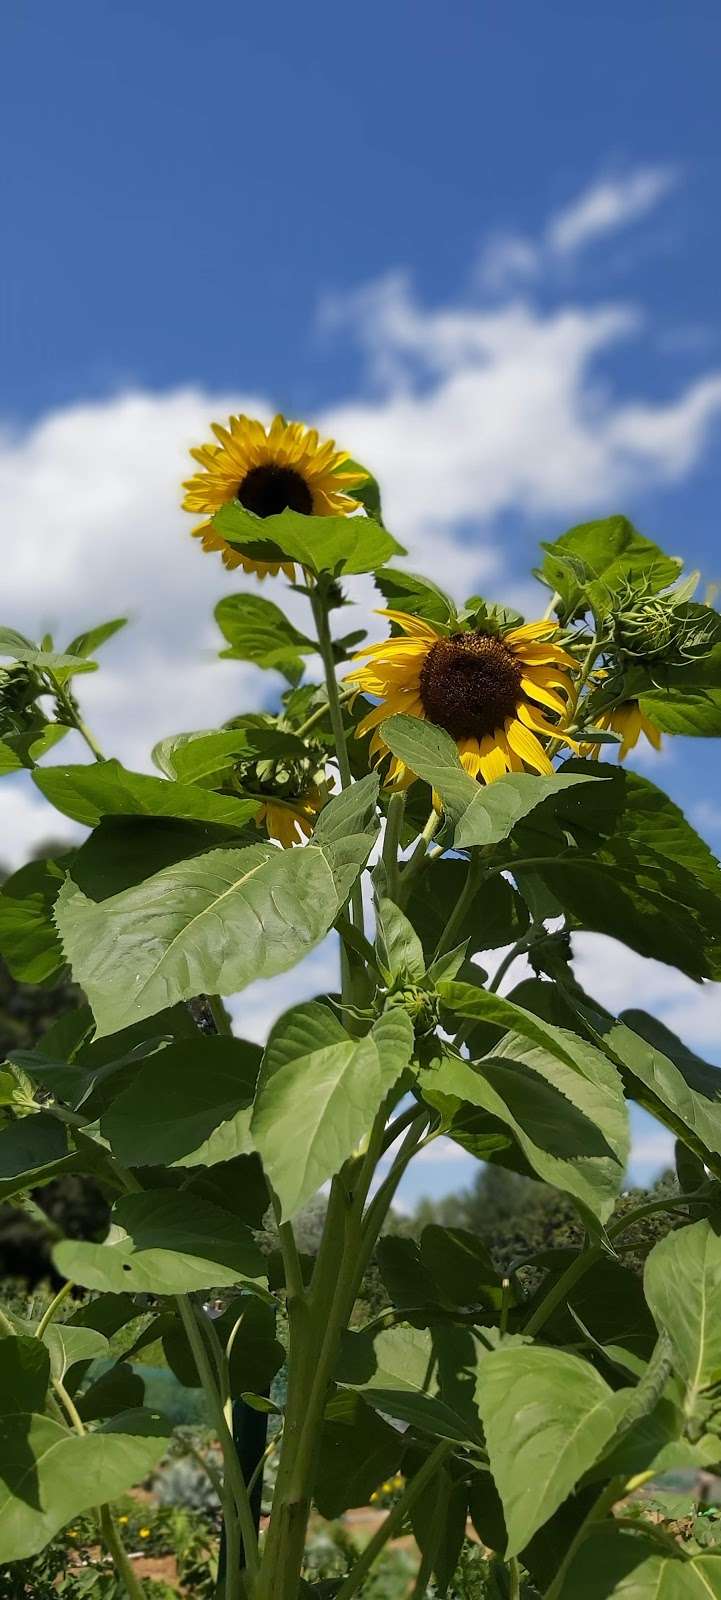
(608, 205)
(603, 208)
(26, 820)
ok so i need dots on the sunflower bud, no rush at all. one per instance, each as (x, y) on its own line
(661, 627)
(419, 1004)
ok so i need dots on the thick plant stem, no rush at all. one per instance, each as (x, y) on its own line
(236, 1501)
(69, 708)
(557, 1293)
(419, 857)
(395, 1520)
(391, 843)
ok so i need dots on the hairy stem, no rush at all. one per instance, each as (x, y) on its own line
(121, 1562)
(391, 843)
(52, 1310)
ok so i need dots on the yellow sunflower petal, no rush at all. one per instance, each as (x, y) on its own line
(494, 761)
(545, 697)
(409, 624)
(526, 745)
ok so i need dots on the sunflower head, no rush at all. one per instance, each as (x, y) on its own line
(268, 470)
(492, 690)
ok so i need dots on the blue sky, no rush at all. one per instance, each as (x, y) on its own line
(481, 244)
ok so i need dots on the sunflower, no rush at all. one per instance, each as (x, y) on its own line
(291, 821)
(630, 722)
(491, 693)
(268, 470)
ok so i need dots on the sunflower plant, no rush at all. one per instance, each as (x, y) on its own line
(442, 802)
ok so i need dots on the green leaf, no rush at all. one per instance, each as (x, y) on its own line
(409, 1283)
(677, 1087)
(85, 644)
(107, 789)
(422, 1377)
(691, 711)
(318, 1095)
(593, 561)
(546, 1416)
(68, 1344)
(495, 916)
(400, 951)
(649, 881)
(570, 1121)
(60, 666)
(124, 851)
(258, 631)
(682, 1283)
(29, 1146)
(208, 926)
(29, 942)
(119, 1389)
(51, 1475)
(358, 1450)
(19, 751)
(482, 814)
(248, 1326)
(406, 591)
(24, 1374)
(163, 1242)
(461, 1266)
(204, 757)
(321, 544)
(438, 1518)
(620, 1564)
(187, 1105)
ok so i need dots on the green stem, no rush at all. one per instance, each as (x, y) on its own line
(52, 1310)
(344, 695)
(220, 1015)
(395, 1519)
(560, 1289)
(514, 1580)
(391, 843)
(605, 1501)
(235, 1493)
(295, 1288)
(414, 866)
(117, 1550)
(70, 710)
(325, 645)
(462, 905)
(516, 950)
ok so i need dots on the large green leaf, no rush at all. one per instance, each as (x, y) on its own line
(482, 814)
(358, 1450)
(187, 1105)
(663, 1076)
(200, 927)
(320, 544)
(258, 631)
(682, 1283)
(29, 943)
(67, 1344)
(107, 789)
(617, 1564)
(569, 1121)
(123, 851)
(591, 563)
(547, 1416)
(29, 1146)
(318, 1095)
(422, 1377)
(649, 880)
(24, 1373)
(49, 1475)
(162, 1242)
(60, 666)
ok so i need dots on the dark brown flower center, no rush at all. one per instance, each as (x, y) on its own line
(470, 683)
(270, 489)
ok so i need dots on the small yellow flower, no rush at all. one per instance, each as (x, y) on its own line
(144, 1533)
(73, 1533)
(268, 470)
(123, 1520)
(492, 693)
(630, 721)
